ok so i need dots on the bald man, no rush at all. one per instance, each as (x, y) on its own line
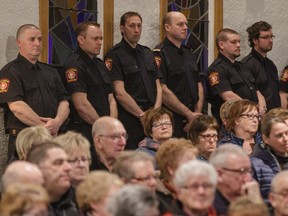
(181, 85)
(32, 91)
(21, 172)
(109, 136)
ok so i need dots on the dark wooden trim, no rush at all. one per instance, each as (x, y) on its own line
(108, 19)
(163, 11)
(44, 27)
(218, 21)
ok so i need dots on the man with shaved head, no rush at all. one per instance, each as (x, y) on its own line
(32, 92)
(181, 85)
(21, 172)
(110, 138)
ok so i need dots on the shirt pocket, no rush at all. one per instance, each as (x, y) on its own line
(132, 76)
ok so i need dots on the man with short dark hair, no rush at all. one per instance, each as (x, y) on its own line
(228, 79)
(181, 84)
(135, 77)
(264, 71)
(32, 92)
(52, 161)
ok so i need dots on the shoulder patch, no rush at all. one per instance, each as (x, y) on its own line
(4, 85)
(213, 78)
(284, 75)
(108, 63)
(158, 61)
(71, 75)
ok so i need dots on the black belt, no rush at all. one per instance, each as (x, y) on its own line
(13, 132)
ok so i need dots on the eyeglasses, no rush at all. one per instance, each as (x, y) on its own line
(267, 37)
(161, 124)
(209, 136)
(78, 160)
(147, 178)
(195, 187)
(241, 171)
(251, 116)
(116, 137)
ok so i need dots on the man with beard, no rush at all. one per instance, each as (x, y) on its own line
(263, 70)
(228, 79)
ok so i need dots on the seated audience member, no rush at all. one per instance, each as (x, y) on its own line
(279, 193)
(30, 136)
(242, 125)
(24, 199)
(158, 127)
(93, 193)
(109, 136)
(170, 155)
(136, 168)
(53, 162)
(77, 148)
(284, 88)
(246, 206)
(204, 135)
(133, 200)
(224, 111)
(234, 176)
(195, 183)
(21, 172)
(271, 156)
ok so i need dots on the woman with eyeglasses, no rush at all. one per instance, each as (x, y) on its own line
(77, 148)
(271, 156)
(158, 127)
(242, 125)
(203, 133)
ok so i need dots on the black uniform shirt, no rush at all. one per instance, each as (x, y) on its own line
(265, 74)
(90, 76)
(125, 65)
(38, 85)
(180, 71)
(223, 75)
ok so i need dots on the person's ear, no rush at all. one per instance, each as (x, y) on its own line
(80, 39)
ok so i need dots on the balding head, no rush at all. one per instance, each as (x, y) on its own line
(104, 124)
(23, 28)
(22, 172)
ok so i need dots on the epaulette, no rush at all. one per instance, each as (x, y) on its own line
(158, 48)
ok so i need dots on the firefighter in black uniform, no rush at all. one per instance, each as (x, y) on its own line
(31, 92)
(87, 80)
(229, 79)
(135, 78)
(262, 68)
(182, 88)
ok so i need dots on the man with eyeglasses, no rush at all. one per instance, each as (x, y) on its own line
(264, 71)
(234, 176)
(109, 136)
(278, 195)
(227, 78)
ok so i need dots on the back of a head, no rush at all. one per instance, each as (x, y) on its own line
(95, 188)
(21, 172)
(18, 198)
(30, 136)
(247, 206)
(220, 156)
(133, 200)
(38, 153)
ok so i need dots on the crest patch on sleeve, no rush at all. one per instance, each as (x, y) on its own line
(158, 61)
(214, 78)
(71, 75)
(108, 63)
(4, 85)
(284, 75)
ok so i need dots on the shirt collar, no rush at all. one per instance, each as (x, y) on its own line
(169, 43)
(84, 55)
(27, 63)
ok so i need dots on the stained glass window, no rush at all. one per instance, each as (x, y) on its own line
(196, 12)
(64, 15)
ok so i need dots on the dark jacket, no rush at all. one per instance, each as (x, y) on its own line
(232, 138)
